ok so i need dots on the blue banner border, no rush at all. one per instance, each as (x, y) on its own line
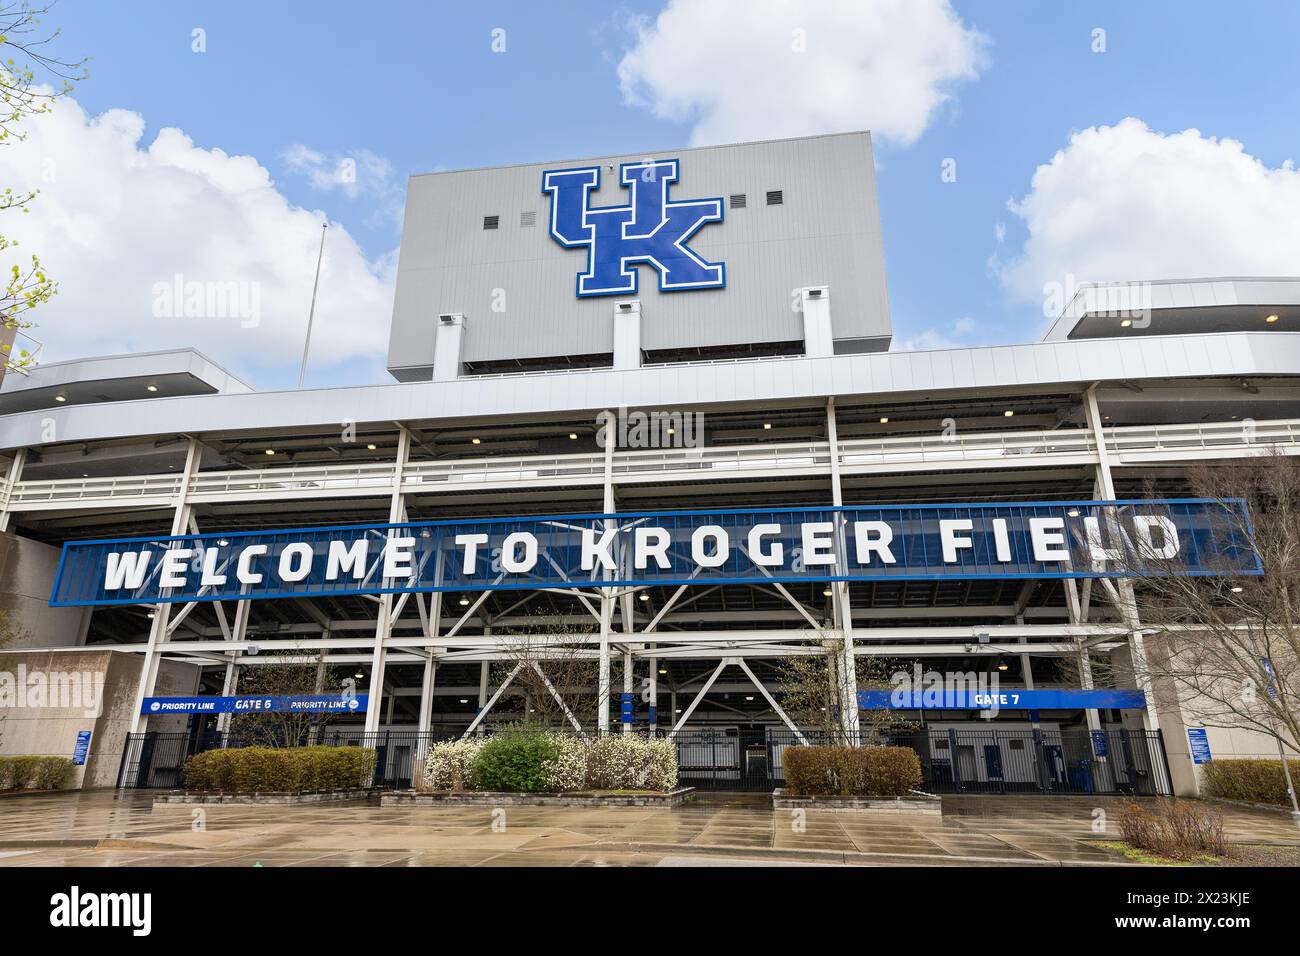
(775, 576)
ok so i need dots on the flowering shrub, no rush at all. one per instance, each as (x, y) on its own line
(447, 767)
(631, 763)
(567, 770)
(536, 761)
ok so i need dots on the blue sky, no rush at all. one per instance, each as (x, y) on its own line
(417, 85)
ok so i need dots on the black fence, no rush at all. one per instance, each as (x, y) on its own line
(750, 759)
(1041, 761)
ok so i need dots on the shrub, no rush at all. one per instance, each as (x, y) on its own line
(515, 761)
(280, 769)
(447, 766)
(568, 769)
(851, 771)
(35, 773)
(625, 762)
(1177, 829)
(1255, 781)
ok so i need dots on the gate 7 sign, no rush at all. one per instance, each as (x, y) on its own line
(650, 230)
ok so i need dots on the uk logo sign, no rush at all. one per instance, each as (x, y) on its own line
(650, 230)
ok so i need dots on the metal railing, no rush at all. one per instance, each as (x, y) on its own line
(1131, 445)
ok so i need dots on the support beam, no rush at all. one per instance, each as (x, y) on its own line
(483, 711)
(700, 696)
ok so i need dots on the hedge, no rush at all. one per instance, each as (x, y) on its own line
(280, 769)
(517, 762)
(1254, 781)
(851, 771)
(35, 773)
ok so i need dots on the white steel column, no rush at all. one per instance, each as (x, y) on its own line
(12, 476)
(162, 612)
(237, 633)
(627, 687)
(482, 690)
(1127, 599)
(654, 693)
(849, 718)
(384, 623)
(606, 593)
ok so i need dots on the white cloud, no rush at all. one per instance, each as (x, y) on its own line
(955, 337)
(1126, 202)
(117, 221)
(354, 174)
(772, 68)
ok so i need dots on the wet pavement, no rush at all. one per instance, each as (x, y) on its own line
(102, 828)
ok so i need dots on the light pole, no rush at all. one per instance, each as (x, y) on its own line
(311, 313)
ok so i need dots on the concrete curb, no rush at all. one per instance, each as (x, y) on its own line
(848, 856)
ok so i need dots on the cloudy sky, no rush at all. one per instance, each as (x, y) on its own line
(1020, 147)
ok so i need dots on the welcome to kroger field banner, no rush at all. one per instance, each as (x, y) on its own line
(908, 542)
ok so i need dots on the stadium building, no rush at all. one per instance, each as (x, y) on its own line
(646, 407)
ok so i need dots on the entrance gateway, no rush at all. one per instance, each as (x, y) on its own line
(376, 529)
(608, 551)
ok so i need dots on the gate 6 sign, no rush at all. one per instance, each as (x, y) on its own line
(650, 230)
(901, 542)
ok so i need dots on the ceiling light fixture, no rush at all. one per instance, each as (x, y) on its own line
(643, 597)
(1125, 323)
(1008, 413)
(60, 398)
(767, 426)
(573, 436)
(1270, 319)
(151, 388)
(269, 451)
(464, 600)
(372, 446)
(884, 419)
(476, 441)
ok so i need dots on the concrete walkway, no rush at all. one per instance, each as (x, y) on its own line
(103, 829)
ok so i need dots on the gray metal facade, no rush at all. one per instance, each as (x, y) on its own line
(825, 231)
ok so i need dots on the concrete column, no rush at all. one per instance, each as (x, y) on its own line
(818, 338)
(627, 334)
(448, 346)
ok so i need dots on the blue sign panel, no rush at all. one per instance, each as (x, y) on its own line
(627, 708)
(81, 749)
(1199, 741)
(898, 542)
(940, 698)
(1100, 744)
(297, 704)
(650, 230)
